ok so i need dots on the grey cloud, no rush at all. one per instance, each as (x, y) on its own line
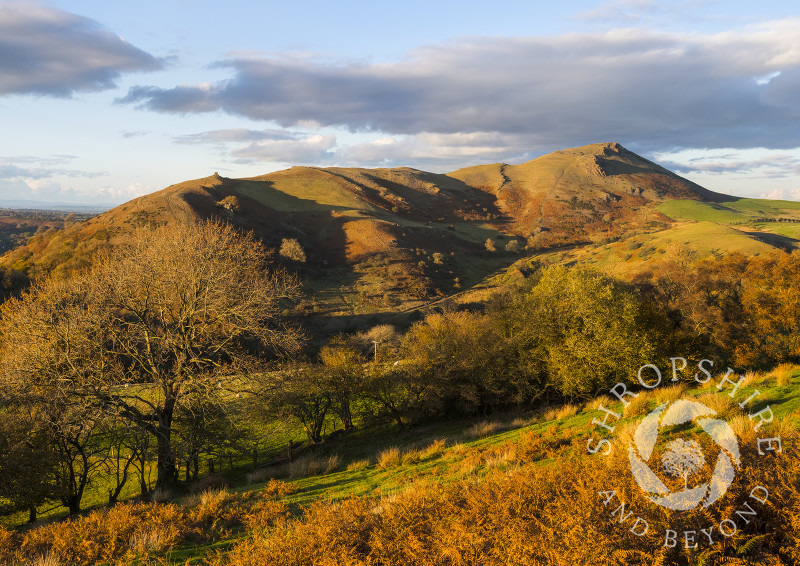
(627, 85)
(47, 51)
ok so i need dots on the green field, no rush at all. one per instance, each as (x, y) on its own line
(740, 211)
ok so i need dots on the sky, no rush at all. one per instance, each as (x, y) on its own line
(101, 102)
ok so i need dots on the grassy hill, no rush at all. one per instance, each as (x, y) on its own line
(383, 240)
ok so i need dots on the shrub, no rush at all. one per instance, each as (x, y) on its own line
(291, 249)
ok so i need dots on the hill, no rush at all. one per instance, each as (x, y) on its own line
(378, 240)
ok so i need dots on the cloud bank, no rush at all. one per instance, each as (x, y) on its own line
(49, 52)
(735, 89)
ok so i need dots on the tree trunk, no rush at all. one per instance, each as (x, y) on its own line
(166, 466)
(32, 515)
(167, 471)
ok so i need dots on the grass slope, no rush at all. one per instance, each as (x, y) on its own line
(385, 469)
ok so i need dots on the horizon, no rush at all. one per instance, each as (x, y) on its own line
(105, 103)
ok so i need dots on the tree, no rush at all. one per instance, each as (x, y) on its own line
(176, 313)
(343, 366)
(28, 461)
(588, 330)
(455, 353)
(303, 392)
(291, 249)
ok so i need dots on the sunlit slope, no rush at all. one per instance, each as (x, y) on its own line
(734, 211)
(602, 183)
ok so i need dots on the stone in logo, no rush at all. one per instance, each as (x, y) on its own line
(683, 459)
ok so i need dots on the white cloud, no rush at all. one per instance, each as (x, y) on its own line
(782, 194)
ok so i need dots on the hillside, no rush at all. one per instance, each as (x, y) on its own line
(380, 240)
(460, 491)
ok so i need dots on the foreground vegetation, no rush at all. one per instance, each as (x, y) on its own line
(497, 492)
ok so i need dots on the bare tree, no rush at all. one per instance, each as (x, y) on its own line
(176, 313)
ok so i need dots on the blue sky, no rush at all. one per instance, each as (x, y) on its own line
(104, 101)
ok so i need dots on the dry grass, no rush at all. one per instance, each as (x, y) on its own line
(638, 405)
(459, 449)
(310, 465)
(358, 465)
(436, 448)
(482, 429)
(411, 456)
(502, 458)
(782, 374)
(752, 378)
(49, 559)
(521, 422)
(257, 476)
(670, 394)
(720, 402)
(152, 540)
(602, 400)
(161, 495)
(389, 458)
(563, 412)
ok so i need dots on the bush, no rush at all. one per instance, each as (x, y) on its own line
(291, 249)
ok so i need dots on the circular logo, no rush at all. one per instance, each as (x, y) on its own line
(682, 459)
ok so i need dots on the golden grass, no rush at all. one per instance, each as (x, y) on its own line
(720, 402)
(311, 465)
(358, 465)
(670, 394)
(435, 449)
(562, 412)
(638, 405)
(602, 400)
(482, 429)
(390, 458)
(782, 374)
(257, 476)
